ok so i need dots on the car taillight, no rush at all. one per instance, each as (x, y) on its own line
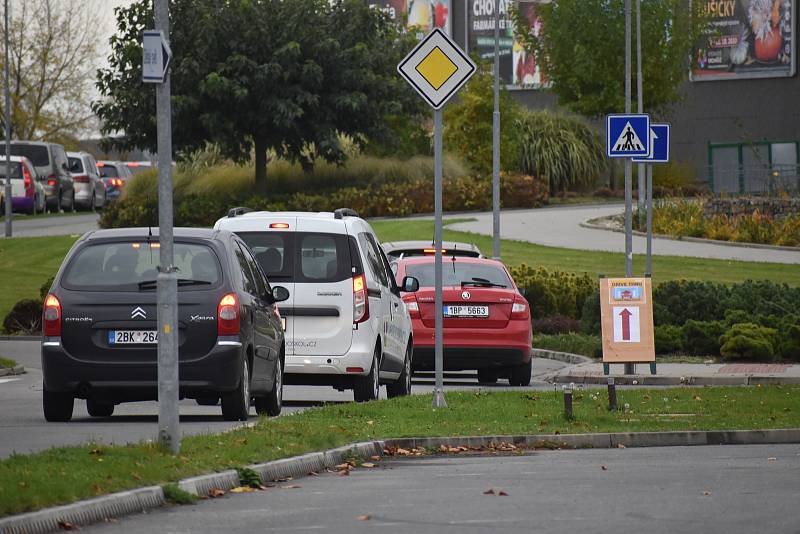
(360, 299)
(51, 316)
(28, 181)
(228, 315)
(279, 225)
(81, 179)
(51, 180)
(413, 308)
(118, 182)
(520, 310)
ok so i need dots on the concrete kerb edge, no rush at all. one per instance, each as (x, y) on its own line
(592, 226)
(20, 338)
(565, 357)
(119, 504)
(18, 370)
(656, 380)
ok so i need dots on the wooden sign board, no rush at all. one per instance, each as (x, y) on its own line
(626, 317)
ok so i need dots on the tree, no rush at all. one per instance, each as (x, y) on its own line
(53, 49)
(261, 77)
(582, 50)
(468, 124)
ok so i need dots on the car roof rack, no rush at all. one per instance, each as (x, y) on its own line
(344, 212)
(240, 210)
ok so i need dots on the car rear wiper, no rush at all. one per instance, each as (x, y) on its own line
(483, 282)
(151, 284)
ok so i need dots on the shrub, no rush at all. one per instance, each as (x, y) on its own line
(789, 342)
(668, 339)
(572, 343)
(25, 318)
(551, 292)
(702, 338)
(590, 314)
(675, 302)
(748, 340)
(557, 324)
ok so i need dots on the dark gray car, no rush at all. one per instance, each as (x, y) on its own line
(52, 167)
(100, 330)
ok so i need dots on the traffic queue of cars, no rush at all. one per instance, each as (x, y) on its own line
(44, 177)
(267, 299)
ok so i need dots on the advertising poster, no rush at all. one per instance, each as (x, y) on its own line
(746, 39)
(518, 69)
(421, 16)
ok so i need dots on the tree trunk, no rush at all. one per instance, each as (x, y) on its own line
(261, 166)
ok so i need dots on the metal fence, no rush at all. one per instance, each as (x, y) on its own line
(754, 180)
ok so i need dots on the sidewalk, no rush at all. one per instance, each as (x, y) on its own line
(669, 374)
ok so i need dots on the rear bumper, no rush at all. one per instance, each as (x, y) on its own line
(479, 348)
(22, 203)
(217, 372)
(112, 193)
(83, 193)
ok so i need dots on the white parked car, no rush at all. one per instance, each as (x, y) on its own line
(90, 191)
(346, 325)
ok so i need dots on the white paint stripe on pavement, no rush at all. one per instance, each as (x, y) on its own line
(4, 380)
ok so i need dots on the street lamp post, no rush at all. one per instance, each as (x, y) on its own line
(496, 138)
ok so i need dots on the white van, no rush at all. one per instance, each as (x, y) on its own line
(345, 323)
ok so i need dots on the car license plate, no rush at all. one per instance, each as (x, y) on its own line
(466, 311)
(132, 337)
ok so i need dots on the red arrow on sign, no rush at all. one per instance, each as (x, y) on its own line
(626, 324)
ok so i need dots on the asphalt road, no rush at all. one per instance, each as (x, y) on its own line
(23, 428)
(55, 225)
(560, 227)
(720, 489)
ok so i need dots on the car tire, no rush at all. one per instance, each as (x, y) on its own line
(487, 376)
(272, 403)
(57, 406)
(93, 205)
(72, 204)
(367, 388)
(520, 375)
(236, 404)
(207, 401)
(99, 409)
(402, 386)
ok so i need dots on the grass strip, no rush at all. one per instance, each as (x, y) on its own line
(7, 363)
(67, 474)
(665, 268)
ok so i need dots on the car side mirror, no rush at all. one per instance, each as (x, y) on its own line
(64, 166)
(410, 284)
(280, 293)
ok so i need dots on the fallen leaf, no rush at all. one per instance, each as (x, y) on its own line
(313, 474)
(216, 492)
(370, 422)
(490, 491)
(342, 467)
(706, 492)
(344, 473)
(292, 486)
(502, 494)
(375, 458)
(363, 518)
(243, 489)
(368, 465)
(66, 525)
(604, 468)
(620, 446)
(772, 459)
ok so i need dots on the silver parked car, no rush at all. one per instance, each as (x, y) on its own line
(90, 191)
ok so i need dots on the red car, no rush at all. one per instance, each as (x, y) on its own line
(487, 321)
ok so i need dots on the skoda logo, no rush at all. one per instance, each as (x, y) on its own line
(138, 313)
(465, 295)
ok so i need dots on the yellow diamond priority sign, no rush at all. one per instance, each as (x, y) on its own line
(436, 68)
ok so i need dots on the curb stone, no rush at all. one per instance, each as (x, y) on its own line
(18, 370)
(565, 357)
(115, 505)
(656, 380)
(20, 338)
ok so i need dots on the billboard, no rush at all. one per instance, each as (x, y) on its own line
(518, 68)
(420, 15)
(746, 39)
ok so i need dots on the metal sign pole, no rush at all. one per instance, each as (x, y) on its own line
(628, 164)
(169, 435)
(438, 392)
(640, 171)
(648, 261)
(496, 139)
(8, 134)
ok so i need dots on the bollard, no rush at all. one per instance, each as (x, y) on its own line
(568, 402)
(612, 395)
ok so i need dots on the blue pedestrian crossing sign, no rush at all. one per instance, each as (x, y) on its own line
(627, 135)
(659, 145)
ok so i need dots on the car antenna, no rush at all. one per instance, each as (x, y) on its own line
(454, 263)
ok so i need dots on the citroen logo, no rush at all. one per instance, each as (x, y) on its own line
(465, 295)
(138, 313)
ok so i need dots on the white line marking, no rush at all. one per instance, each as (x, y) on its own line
(4, 380)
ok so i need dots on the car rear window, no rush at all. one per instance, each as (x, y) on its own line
(418, 252)
(36, 153)
(455, 272)
(75, 165)
(302, 256)
(15, 170)
(108, 171)
(132, 266)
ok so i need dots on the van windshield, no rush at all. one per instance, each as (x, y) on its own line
(133, 266)
(36, 153)
(301, 256)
